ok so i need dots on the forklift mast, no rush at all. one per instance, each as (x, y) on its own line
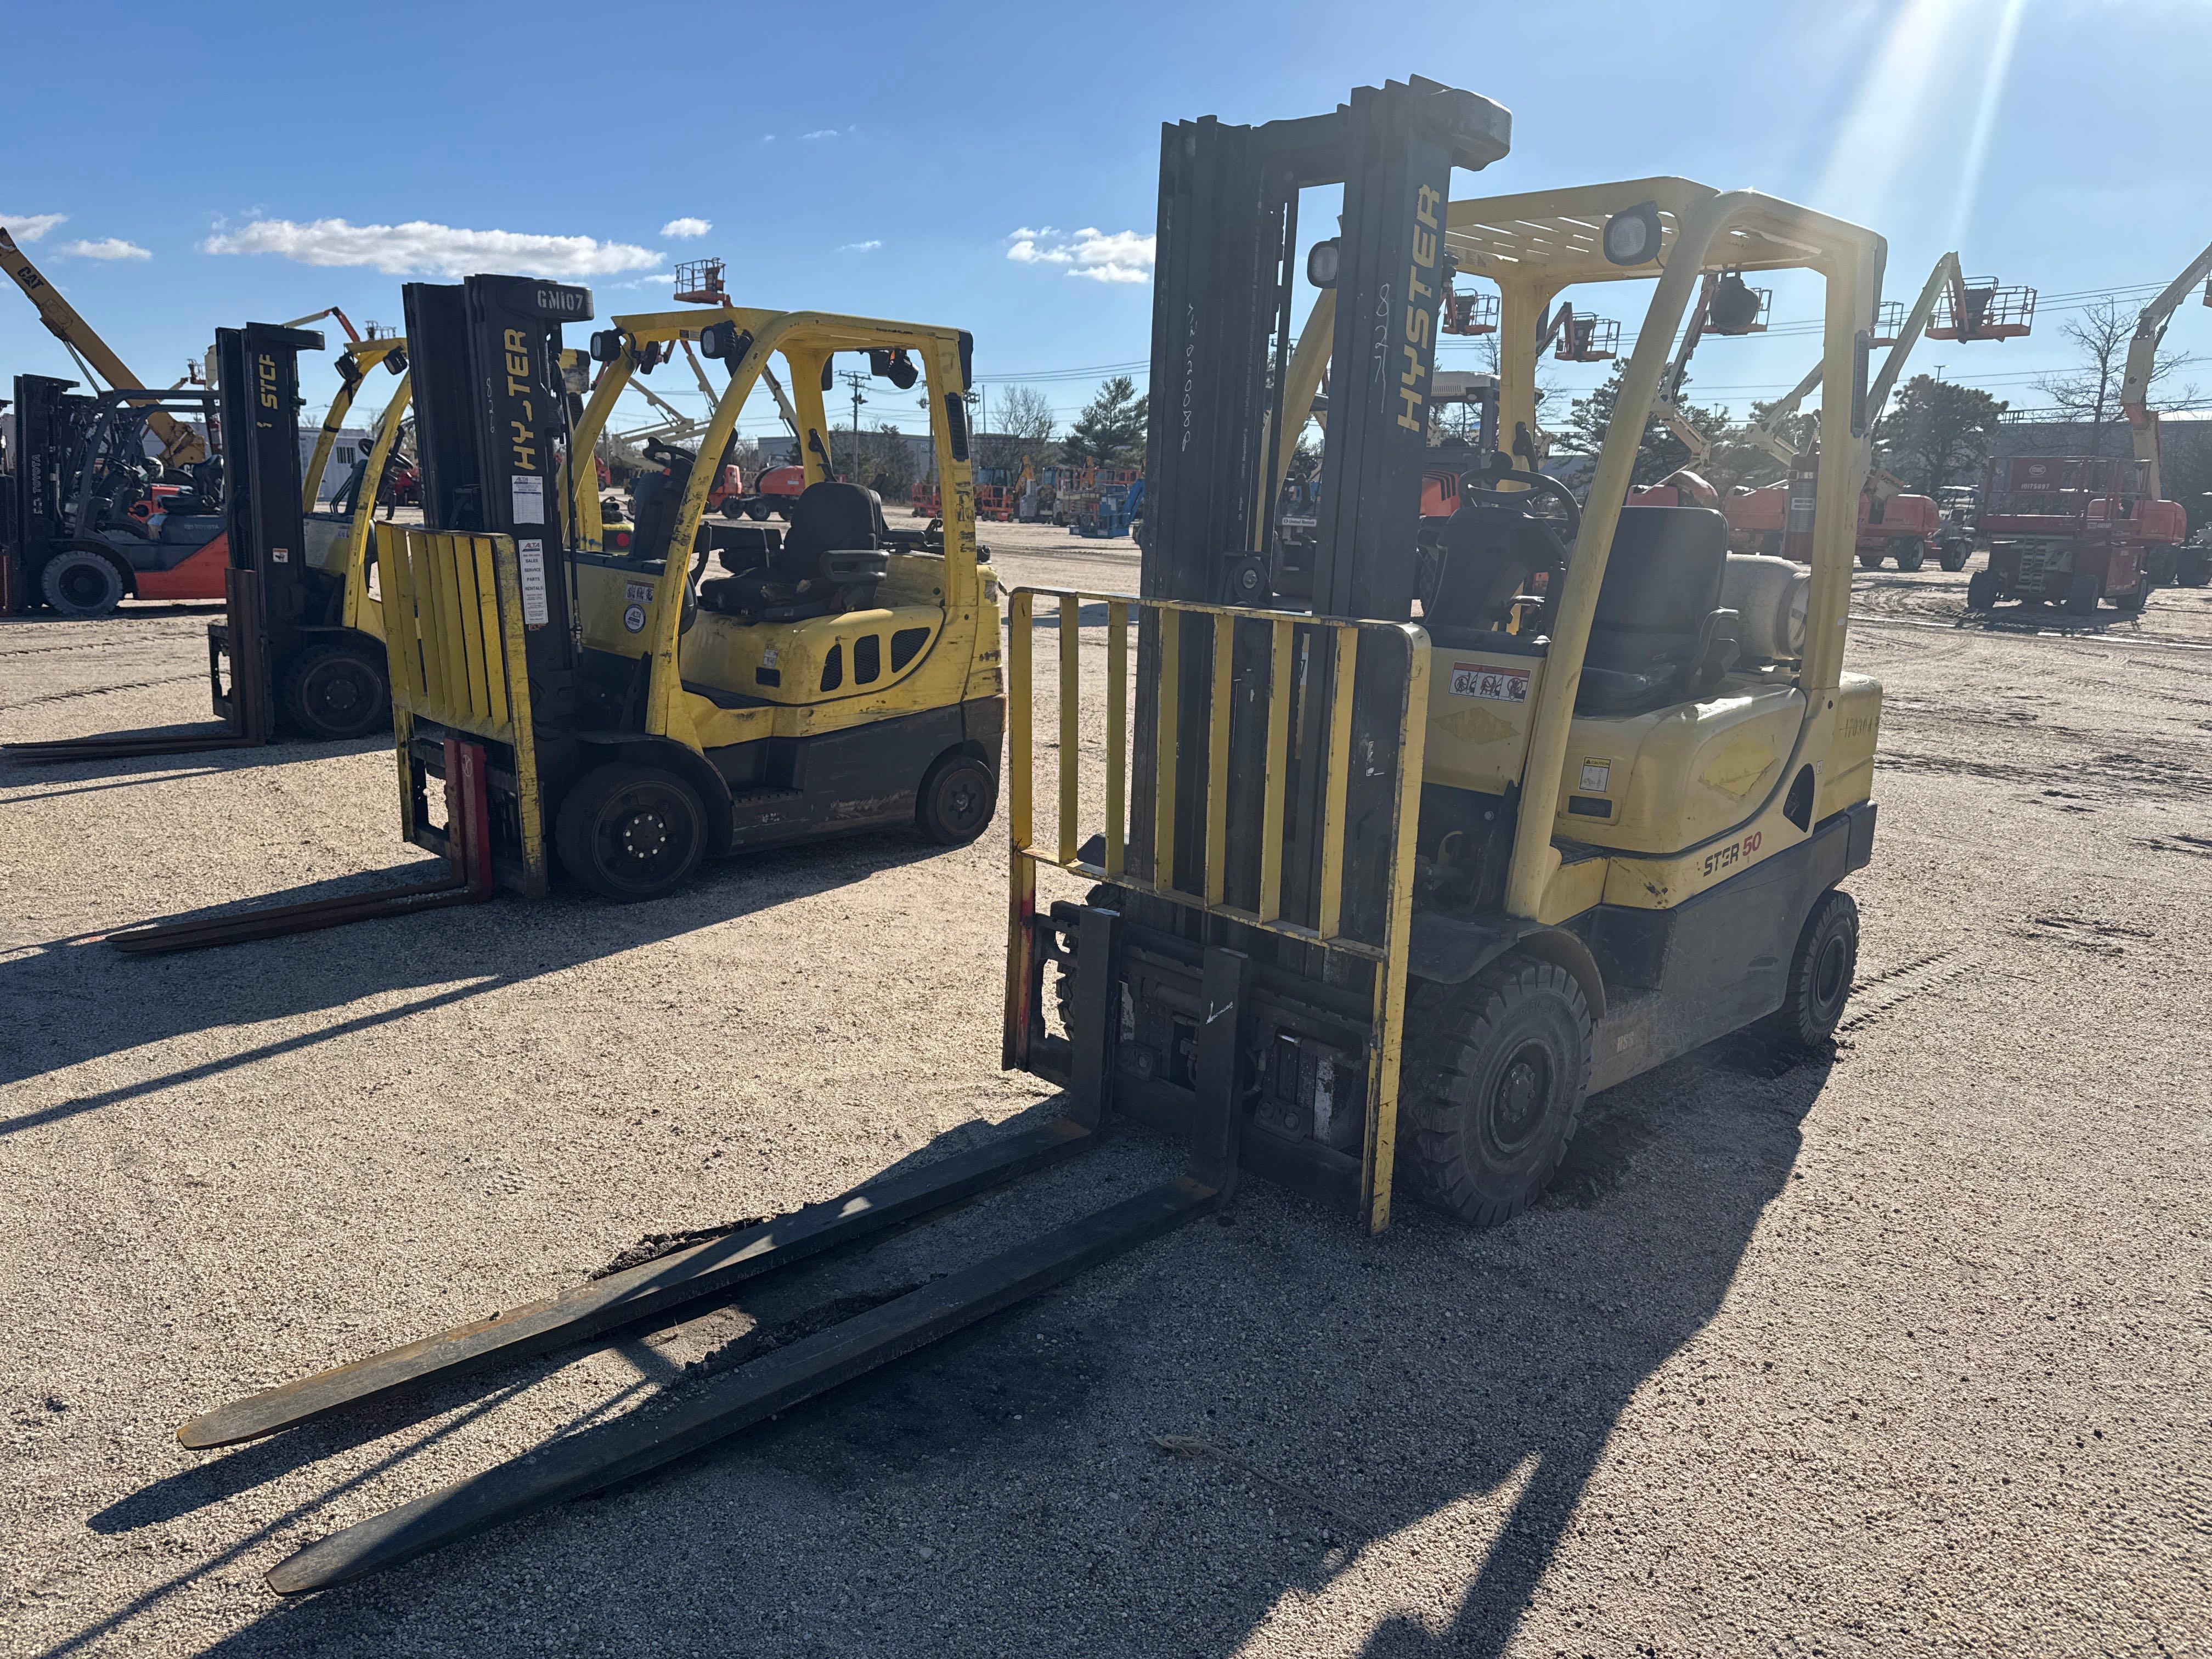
(36, 459)
(258, 403)
(1227, 275)
(491, 433)
(1221, 324)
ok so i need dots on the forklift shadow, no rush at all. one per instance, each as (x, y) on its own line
(72, 1001)
(1319, 1414)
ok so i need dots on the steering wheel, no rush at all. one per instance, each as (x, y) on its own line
(1535, 484)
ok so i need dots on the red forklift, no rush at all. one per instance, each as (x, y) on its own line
(2072, 530)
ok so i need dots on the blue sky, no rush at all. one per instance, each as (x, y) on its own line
(880, 159)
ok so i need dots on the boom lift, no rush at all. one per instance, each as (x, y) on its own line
(1509, 853)
(2190, 565)
(300, 648)
(1892, 522)
(607, 704)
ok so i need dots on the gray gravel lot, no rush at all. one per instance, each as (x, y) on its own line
(1901, 1353)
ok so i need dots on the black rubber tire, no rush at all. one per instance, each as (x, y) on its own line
(1910, 552)
(1952, 555)
(1871, 560)
(2082, 598)
(338, 692)
(80, 584)
(956, 801)
(2192, 572)
(783, 511)
(1496, 1070)
(1821, 970)
(630, 832)
(1981, 590)
(2131, 604)
(757, 509)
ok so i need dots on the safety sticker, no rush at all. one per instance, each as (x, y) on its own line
(637, 592)
(527, 492)
(1596, 775)
(1475, 680)
(532, 556)
(634, 619)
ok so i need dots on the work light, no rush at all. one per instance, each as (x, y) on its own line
(1631, 235)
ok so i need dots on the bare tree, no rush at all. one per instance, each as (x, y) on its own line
(1021, 432)
(2090, 393)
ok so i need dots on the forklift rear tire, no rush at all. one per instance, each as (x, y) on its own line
(1496, 1068)
(956, 801)
(336, 692)
(1981, 590)
(630, 833)
(1821, 970)
(1910, 551)
(80, 584)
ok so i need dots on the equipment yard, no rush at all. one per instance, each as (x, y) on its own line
(1901, 1349)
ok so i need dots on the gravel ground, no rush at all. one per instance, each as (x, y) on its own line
(1902, 1352)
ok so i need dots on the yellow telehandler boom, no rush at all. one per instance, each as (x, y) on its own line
(180, 445)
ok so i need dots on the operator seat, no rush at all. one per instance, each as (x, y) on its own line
(1659, 634)
(832, 559)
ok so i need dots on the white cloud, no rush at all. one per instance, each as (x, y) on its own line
(658, 279)
(680, 228)
(829, 133)
(30, 226)
(440, 250)
(858, 247)
(1122, 255)
(107, 247)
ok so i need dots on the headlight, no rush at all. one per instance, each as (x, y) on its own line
(1632, 236)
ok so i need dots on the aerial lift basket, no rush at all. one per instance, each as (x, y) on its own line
(1978, 309)
(1588, 338)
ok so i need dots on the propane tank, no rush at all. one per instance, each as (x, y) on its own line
(1797, 513)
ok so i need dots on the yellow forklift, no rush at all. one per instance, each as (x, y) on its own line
(606, 699)
(1522, 807)
(300, 648)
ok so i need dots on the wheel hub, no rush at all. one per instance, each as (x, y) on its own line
(1522, 1090)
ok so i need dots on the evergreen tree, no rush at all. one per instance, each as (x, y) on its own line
(1110, 431)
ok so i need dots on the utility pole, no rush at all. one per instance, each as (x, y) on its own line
(858, 381)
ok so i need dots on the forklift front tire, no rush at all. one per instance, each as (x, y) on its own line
(629, 832)
(80, 584)
(336, 692)
(1821, 970)
(956, 801)
(1496, 1069)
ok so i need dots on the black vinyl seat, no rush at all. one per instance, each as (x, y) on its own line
(1487, 554)
(831, 561)
(1659, 634)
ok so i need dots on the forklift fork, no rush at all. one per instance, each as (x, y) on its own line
(468, 880)
(249, 706)
(578, 1464)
